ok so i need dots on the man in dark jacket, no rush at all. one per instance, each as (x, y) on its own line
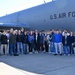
(66, 40)
(19, 43)
(12, 43)
(4, 43)
(25, 42)
(41, 37)
(72, 43)
(36, 41)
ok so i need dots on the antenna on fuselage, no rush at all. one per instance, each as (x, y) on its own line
(44, 1)
(53, 0)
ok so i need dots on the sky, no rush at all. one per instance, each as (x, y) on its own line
(11, 6)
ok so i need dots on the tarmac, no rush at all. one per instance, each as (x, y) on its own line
(37, 64)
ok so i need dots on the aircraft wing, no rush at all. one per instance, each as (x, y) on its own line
(14, 25)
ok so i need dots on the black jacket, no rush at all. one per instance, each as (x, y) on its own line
(12, 39)
(4, 39)
(25, 39)
(68, 41)
(38, 39)
(72, 39)
(19, 38)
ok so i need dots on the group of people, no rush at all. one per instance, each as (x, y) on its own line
(15, 42)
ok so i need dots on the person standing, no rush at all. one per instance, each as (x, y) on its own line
(19, 43)
(51, 39)
(72, 42)
(66, 40)
(25, 42)
(31, 41)
(12, 42)
(58, 42)
(4, 44)
(41, 37)
(36, 41)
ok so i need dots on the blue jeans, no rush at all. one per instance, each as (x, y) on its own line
(19, 47)
(52, 47)
(66, 50)
(12, 49)
(58, 48)
(24, 48)
(71, 50)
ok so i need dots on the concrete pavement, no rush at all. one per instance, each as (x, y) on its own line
(38, 64)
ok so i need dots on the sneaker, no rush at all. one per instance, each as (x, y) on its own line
(60, 54)
(30, 53)
(64, 54)
(55, 54)
(68, 54)
(49, 52)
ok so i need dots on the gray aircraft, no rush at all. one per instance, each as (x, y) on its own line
(58, 14)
